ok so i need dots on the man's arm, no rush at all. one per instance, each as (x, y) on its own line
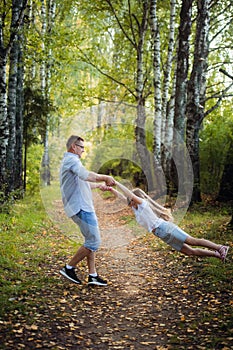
(94, 177)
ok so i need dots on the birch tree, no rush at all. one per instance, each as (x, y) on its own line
(156, 79)
(156, 162)
(44, 73)
(18, 168)
(182, 68)
(168, 95)
(146, 158)
(15, 108)
(197, 92)
(11, 115)
(7, 125)
(48, 9)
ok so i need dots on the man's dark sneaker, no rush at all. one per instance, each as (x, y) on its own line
(70, 274)
(96, 281)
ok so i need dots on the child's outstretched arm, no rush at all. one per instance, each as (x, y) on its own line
(129, 194)
(117, 194)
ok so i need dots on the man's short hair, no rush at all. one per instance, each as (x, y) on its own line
(72, 139)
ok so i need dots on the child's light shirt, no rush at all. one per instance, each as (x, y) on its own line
(146, 217)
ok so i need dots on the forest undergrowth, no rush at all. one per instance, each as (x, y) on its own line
(156, 298)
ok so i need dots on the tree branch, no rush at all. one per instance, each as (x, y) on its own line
(220, 98)
(131, 23)
(218, 15)
(109, 2)
(221, 30)
(226, 73)
(88, 61)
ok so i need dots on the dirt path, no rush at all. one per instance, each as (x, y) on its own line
(154, 300)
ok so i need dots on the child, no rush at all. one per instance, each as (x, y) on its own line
(158, 220)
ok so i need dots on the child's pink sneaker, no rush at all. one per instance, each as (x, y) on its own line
(223, 252)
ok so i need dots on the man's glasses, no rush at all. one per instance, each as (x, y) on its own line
(82, 147)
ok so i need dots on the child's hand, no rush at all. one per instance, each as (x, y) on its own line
(103, 187)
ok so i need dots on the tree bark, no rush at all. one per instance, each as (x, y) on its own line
(196, 93)
(182, 67)
(156, 80)
(3, 121)
(181, 93)
(11, 116)
(157, 185)
(18, 172)
(47, 24)
(140, 132)
(7, 122)
(167, 77)
(168, 105)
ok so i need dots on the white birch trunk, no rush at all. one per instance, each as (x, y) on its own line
(169, 128)
(157, 79)
(12, 101)
(45, 81)
(43, 32)
(8, 94)
(167, 79)
(45, 161)
(11, 115)
(18, 173)
(3, 118)
(3, 106)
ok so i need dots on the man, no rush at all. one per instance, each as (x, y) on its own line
(76, 183)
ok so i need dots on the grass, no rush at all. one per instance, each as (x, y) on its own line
(28, 238)
(209, 222)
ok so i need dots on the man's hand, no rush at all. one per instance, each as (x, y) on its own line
(94, 177)
(109, 181)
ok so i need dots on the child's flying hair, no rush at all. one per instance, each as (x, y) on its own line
(158, 209)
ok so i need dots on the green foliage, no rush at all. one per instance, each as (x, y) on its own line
(209, 222)
(37, 108)
(93, 59)
(116, 140)
(216, 138)
(34, 157)
(205, 221)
